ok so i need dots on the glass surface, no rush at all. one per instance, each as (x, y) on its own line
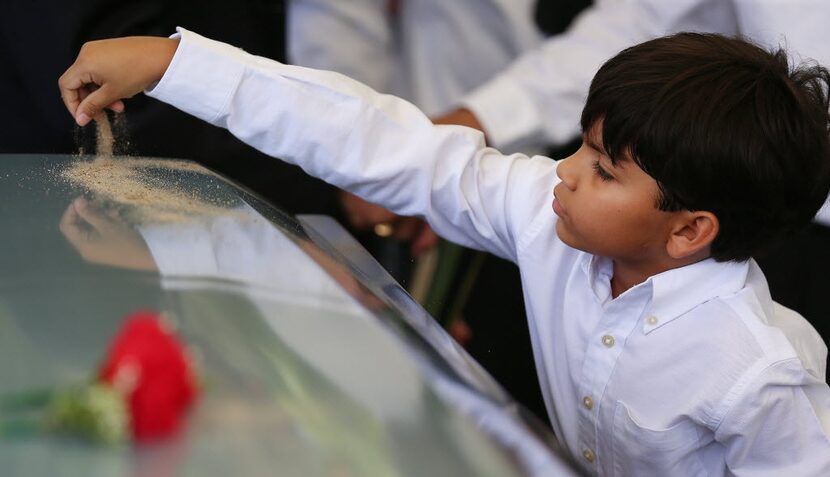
(301, 377)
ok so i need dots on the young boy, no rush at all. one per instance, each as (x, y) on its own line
(658, 347)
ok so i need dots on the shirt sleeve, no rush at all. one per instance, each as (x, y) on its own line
(353, 37)
(539, 98)
(379, 147)
(779, 424)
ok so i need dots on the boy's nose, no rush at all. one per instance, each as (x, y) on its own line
(564, 169)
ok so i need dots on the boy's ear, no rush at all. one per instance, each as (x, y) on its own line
(692, 233)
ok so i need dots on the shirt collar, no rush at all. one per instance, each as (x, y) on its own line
(676, 291)
(673, 292)
(599, 271)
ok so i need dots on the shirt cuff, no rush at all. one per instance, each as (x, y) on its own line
(199, 81)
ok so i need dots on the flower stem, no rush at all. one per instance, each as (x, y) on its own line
(25, 401)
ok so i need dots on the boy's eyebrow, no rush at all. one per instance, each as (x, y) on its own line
(593, 144)
(589, 140)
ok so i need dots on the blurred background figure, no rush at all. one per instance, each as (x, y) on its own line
(432, 52)
(429, 52)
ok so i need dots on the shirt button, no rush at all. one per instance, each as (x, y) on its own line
(652, 320)
(588, 454)
(588, 402)
(608, 341)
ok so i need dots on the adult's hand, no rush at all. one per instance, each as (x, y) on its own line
(461, 117)
(364, 215)
(107, 71)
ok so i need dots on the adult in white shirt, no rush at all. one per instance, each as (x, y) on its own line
(430, 52)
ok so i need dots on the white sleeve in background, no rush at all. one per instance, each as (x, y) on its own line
(352, 37)
(448, 48)
(800, 26)
(539, 98)
(379, 147)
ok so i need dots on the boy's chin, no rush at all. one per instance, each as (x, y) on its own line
(568, 239)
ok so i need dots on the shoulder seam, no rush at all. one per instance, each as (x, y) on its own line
(738, 390)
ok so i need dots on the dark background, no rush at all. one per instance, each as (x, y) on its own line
(39, 39)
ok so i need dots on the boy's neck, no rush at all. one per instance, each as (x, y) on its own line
(630, 274)
(624, 279)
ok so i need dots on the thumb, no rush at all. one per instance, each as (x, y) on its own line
(94, 103)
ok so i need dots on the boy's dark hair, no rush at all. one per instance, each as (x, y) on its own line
(723, 126)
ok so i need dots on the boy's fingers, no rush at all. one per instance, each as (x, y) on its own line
(117, 106)
(94, 104)
(71, 99)
(72, 87)
(83, 92)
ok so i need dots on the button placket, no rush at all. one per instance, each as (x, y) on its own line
(603, 351)
(617, 321)
(602, 355)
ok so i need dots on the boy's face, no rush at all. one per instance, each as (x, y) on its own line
(609, 210)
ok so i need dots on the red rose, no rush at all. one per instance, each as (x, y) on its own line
(148, 364)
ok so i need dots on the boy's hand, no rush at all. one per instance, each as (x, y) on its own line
(102, 237)
(107, 71)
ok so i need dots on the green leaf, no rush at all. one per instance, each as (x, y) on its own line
(96, 412)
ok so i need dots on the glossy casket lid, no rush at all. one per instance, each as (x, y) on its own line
(315, 362)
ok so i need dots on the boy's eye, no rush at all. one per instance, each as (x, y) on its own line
(603, 175)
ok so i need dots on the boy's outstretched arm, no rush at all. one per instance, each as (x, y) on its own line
(107, 71)
(381, 148)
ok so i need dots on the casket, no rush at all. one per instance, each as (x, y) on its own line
(311, 359)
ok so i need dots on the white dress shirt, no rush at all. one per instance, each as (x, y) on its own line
(695, 371)
(430, 52)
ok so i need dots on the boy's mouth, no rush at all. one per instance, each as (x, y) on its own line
(557, 206)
